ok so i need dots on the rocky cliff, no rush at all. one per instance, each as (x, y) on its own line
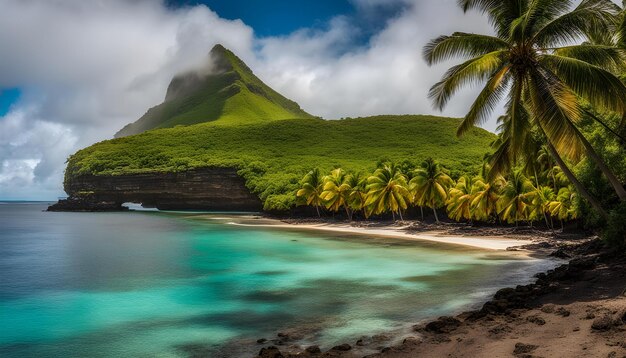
(199, 189)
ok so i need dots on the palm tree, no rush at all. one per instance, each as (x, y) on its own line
(541, 200)
(486, 196)
(460, 199)
(564, 207)
(430, 185)
(387, 191)
(528, 62)
(336, 191)
(311, 188)
(516, 197)
(358, 192)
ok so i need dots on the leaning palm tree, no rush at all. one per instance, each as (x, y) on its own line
(460, 199)
(387, 191)
(516, 197)
(311, 188)
(430, 186)
(535, 62)
(336, 191)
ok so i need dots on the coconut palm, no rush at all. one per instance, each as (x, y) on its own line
(516, 197)
(460, 199)
(486, 196)
(532, 62)
(430, 186)
(311, 188)
(336, 191)
(358, 192)
(539, 205)
(564, 207)
(387, 191)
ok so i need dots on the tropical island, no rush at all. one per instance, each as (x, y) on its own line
(552, 177)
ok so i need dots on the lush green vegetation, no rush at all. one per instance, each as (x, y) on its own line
(228, 94)
(553, 61)
(546, 197)
(274, 156)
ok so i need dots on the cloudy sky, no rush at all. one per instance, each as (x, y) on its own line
(74, 72)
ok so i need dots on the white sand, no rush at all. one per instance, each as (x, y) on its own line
(482, 242)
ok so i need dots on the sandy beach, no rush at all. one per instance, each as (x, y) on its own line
(402, 231)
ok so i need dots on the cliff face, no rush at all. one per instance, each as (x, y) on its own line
(200, 189)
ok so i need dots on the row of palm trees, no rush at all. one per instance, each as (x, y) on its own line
(550, 60)
(513, 199)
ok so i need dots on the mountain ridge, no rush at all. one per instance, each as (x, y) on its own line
(226, 92)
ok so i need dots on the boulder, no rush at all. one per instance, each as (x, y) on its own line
(270, 352)
(443, 325)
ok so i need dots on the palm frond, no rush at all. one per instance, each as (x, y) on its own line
(486, 101)
(604, 56)
(460, 44)
(596, 85)
(473, 71)
(589, 17)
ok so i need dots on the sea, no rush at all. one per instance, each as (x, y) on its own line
(180, 284)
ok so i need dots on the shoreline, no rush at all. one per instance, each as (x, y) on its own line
(576, 309)
(404, 231)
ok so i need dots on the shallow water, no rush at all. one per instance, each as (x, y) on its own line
(165, 284)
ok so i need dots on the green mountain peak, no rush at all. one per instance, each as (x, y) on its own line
(224, 91)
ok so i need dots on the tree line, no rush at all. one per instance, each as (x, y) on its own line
(514, 198)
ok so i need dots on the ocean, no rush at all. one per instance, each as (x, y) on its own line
(176, 284)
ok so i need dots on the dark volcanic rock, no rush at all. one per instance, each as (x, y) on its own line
(342, 347)
(521, 348)
(270, 352)
(198, 189)
(536, 319)
(604, 323)
(88, 205)
(313, 350)
(443, 325)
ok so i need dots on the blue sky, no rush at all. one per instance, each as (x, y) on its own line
(277, 17)
(8, 97)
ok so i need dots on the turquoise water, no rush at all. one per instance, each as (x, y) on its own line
(164, 284)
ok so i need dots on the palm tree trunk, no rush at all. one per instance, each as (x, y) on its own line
(436, 217)
(318, 211)
(393, 216)
(579, 187)
(617, 185)
(422, 212)
(545, 217)
(348, 214)
(401, 218)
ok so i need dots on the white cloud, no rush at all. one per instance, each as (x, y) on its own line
(89, 67)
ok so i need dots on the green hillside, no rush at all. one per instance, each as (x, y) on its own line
(226, 92)
(273, 156)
